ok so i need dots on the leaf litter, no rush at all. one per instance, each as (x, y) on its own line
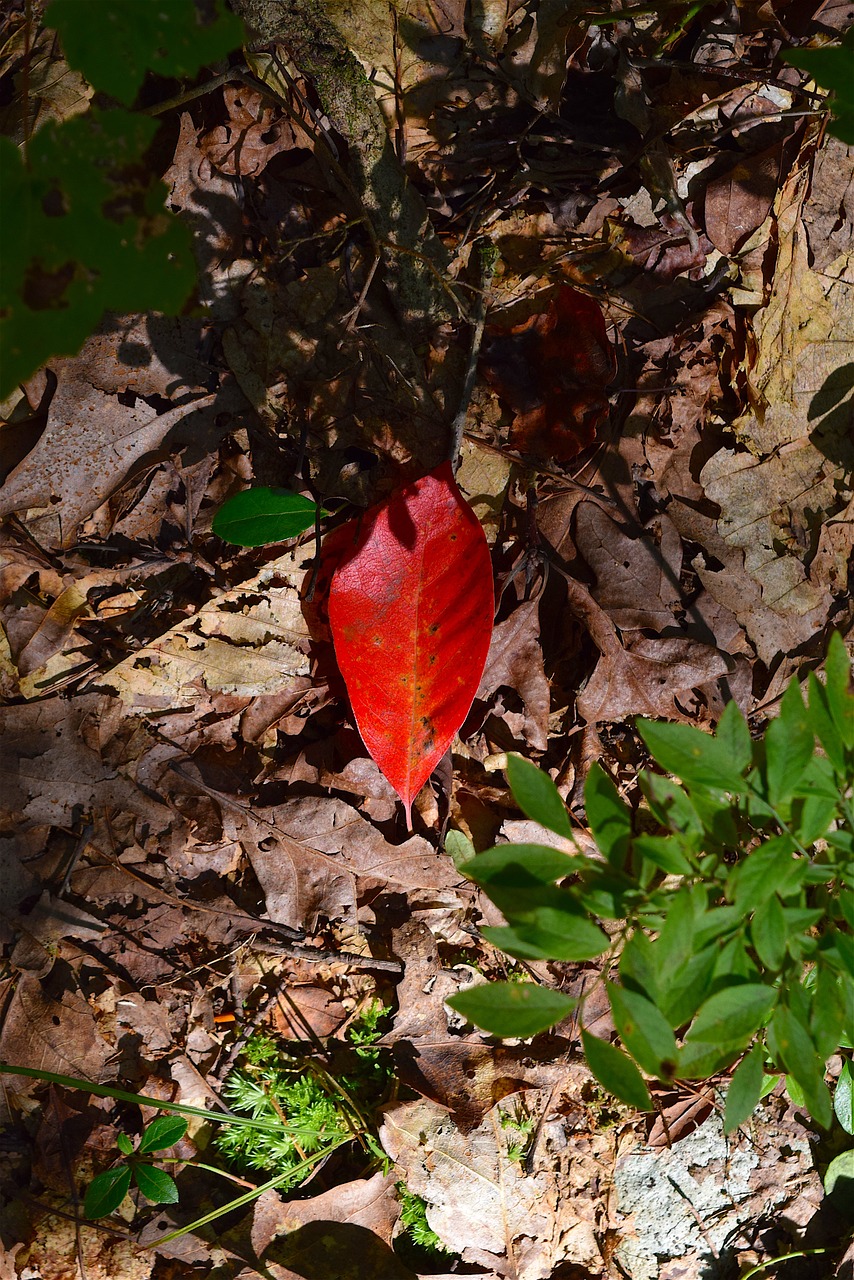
(195, 840)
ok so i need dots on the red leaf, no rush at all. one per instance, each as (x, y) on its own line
(552, 370)
(410, 609)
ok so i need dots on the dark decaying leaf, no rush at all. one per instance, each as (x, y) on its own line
(410, 610)
(552, 371)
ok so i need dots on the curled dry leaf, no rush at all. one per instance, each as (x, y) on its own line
(410, 610)
(552, 371)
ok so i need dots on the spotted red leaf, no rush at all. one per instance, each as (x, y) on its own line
(552, 371)
(410, 610)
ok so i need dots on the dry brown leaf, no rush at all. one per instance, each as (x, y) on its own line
(515, 661)
(45, 86)
(92, 442)
(248, 642)
(656, 678)
(485, 1206)
(253, 135)
(369, 1202)
(637, 578)
(49, 769)
(54, 1030)
(738, 201)
(317, 857)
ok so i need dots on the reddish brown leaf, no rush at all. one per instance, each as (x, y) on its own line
(410, 610)
(552, 370)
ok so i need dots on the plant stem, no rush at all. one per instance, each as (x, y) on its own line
(121, 1095)
(278, 1181)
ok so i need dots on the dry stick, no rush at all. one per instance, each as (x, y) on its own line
(487, 256)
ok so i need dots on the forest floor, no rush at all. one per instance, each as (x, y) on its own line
(200, 862)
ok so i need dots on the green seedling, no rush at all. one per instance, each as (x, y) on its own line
(107, 1190)
(729, 898)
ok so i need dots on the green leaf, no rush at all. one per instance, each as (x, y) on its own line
(616, 1072)
(843, 1097)
(672, 807)
(638, 967)
(733, 1014)
(89, 254)
(609, 816)
(259, 516)
(839, 1180)
(699, 1059)
(644, 1031)
(745, 1090)
(768, 933)
(695, 757)
(770, 868)
(823, 724)
(163, 1132)
(674, 944)
(665, 851)
(537, 796)
(155, 1185)
(124, 1144)
(839, 696)
(550, 934)
(520, 864)
(459, 848)
(684, 990)
(106, 1191)
(790, 1043)
(827, 1015)
(734, 735)
(512, 1009)
(115, 42)
(831, 68)
(789, 746)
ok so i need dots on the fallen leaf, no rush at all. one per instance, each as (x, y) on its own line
(738, 201)
(656, 678)
(485, 1206)
(367, 1202)
(248, 642)
(410, 609)
(515, 661)
(93, 440)
(637, 578)
(552, 370)
(253, 135)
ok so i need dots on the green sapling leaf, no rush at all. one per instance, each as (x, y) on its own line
(512, 1009)
(609, 817)
(616, 1072)
(745, 1090)
(789, 745)
(843, 1097)
(697, 758)
(537, 796)
(644, 1031)
(106, 1191)
(155, 1185)
(163, 1132)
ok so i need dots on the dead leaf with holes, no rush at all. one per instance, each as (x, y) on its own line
(483, 1204)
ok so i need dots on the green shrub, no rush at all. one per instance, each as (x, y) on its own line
(729, 900)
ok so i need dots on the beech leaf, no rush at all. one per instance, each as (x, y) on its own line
(410, 611)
